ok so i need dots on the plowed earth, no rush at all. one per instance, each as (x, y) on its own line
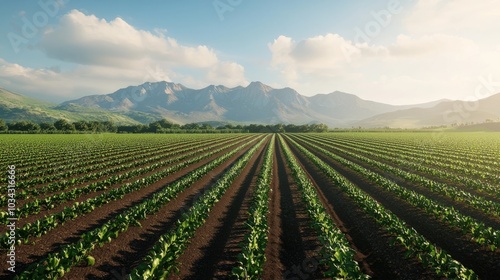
(293, 248)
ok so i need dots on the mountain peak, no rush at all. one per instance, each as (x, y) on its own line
(169, 87)
(259, 86)
(255, 103)
(217, 89)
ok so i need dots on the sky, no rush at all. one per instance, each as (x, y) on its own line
(391, 51)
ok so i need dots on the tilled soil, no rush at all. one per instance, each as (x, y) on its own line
(213, 251)
(84, 197)
(293, 249)
(71, 231)
(383, 261)
(119, 256)
(484, 262)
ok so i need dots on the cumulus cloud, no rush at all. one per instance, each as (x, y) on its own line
(454, 17)
(86, 39)
(54, 85)
(436, 44)
(442, 49)
(414, 64)
(316, 59)
(227, 73)
(312, 53)
(107, 55)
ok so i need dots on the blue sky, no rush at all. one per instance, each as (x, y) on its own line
(393, 51)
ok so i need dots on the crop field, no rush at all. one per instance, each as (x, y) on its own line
(344, 205)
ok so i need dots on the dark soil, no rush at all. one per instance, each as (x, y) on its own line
(483, 261)
(71, 231)
(293, 247)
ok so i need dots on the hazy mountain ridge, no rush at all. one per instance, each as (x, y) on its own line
(255, 103)
(444, 113)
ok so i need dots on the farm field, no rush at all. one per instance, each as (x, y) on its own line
(346, 205)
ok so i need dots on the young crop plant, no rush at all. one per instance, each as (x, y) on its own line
(480, 233)
(463, 176)
(72, 254)
(161, 260)
(141, 167)
(43, 225)
(252, 258)
(417, 245)
(336, 251)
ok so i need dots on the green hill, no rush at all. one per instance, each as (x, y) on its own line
(15, 107)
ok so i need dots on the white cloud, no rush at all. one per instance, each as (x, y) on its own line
(37, 83)
(229, 74)
(331, 53)
(455, 17)
(323, 52)
(436, 44)
(108, 55)
(281, 58)
(86, 39)
(56, 86)
(419, 68)
(442, 49)
(318, 60)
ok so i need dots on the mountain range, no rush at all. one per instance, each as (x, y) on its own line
(255, 103)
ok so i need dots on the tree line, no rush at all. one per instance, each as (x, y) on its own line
(59, 126)
(160, 126)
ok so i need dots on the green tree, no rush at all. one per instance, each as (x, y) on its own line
(45, 126)
(64, 125)
(109, 126)
(3, 126)
(82, 125)
(154, 127)
(278, 128)
(24, 126)
(164, 123)
(191, 126)
(207, 126)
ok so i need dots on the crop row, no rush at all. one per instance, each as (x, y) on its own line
(48, 153)
(51, 201)
(42, 226)
(416, 245)
(478, 231)
(84, 167)
(57, 264)
(476, 201)
(73, 162)
(161, 259)
(451, 147)
(54, 200)
(252, 258)
(427, 166)
(336, 251)
(61, 150)
(460, 166)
